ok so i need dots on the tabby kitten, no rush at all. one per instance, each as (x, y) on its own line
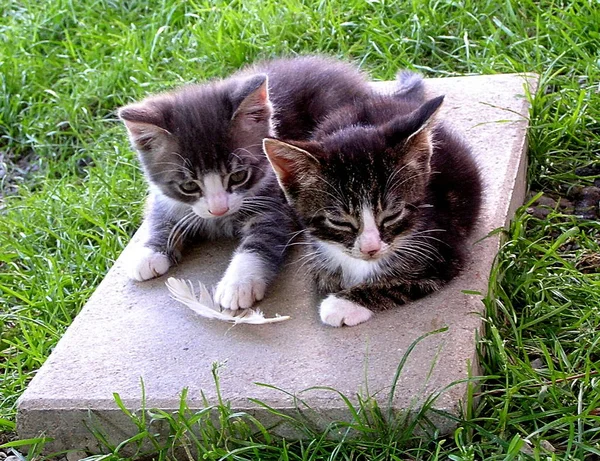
(201, 150)
(388, 199)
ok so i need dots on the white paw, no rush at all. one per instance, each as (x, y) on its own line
(337, 312)
(147, 264)
(243, 282)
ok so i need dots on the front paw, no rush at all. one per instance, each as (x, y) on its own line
(336, 312)
(147, 264)
(243, 283)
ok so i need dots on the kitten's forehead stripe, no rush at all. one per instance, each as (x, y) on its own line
(368, 220)
(213, 184)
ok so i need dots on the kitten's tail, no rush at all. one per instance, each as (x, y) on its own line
(410, 86)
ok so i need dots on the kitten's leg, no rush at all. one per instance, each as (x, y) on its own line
(148, 263)
(153, 258)
(161, 248)
(348, 307)
(256, 261)
(337, 311)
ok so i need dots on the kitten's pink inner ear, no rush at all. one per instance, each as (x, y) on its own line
(404, 128)
(142, 134)
(425, 115)
(142, 113)
(137, 129)
(287, 160)
(143, 122)
(281, 158)
(256, 105)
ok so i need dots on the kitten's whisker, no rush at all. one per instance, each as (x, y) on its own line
(392, 177)
(412, 257)
(309, 244)
(428, 230)
(175, 237)
(299, 232)
(257, 209)
(161, 173)
(420, 243)
(421, 253)
(186, 161)
(294, 235)
(429, 237)
(237, 157)
(261, 204)
(261, 198)
(181, 229)
(395, 186)
(245, 149)
(325, 208)
(338, 197)
(179, 166)
(309, 257)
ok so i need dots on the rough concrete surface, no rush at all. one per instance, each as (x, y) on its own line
(129, 331)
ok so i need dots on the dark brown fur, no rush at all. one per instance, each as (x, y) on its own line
(388, 153)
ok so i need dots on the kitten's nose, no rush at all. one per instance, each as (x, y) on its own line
(218, 211)
(370, 253)
(370, 244)
(218, 204)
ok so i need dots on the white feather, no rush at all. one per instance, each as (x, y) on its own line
(204, 305)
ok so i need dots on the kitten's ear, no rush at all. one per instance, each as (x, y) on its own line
(412, 133)
(252, 100)
(402, 129)
(145, 124)
(287, 160)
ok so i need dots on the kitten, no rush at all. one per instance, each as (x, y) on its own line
(201, 150)
(388, 199)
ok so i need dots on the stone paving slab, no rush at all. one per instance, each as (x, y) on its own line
(131, 331)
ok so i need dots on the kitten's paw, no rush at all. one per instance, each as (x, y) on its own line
(148, 264)
(336, 312)
(243, 282)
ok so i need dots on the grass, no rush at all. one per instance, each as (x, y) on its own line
(65, 66)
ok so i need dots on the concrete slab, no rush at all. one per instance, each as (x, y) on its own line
(130, 331)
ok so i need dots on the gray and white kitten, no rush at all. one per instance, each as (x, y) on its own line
(388, 199)
(201, 150)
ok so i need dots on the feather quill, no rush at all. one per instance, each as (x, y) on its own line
(204, 305)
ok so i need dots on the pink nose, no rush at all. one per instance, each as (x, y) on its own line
(218, 204)
(218, 211)
(370, 245)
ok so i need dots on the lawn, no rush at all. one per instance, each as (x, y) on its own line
(71, 191)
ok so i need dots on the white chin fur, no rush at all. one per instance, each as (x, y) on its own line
(147, 264)
(354, 270)
(243, 283)
(336, 312)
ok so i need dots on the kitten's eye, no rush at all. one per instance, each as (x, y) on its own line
(393, 218)
(238, 178)
(189, 187)
(341, 225)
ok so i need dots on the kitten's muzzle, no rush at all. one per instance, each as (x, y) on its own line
(218, 204)
(370, 243)
(218, 211)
